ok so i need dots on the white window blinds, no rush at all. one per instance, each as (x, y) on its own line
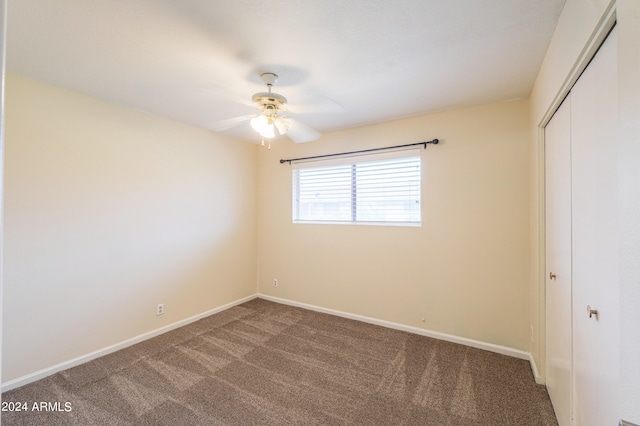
(362, 190)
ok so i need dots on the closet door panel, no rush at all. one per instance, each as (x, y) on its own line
(558, 261)
(594, 240)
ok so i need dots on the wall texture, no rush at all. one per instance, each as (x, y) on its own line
(108, 212)
(465, 271)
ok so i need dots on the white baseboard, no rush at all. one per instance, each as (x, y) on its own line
(41, 374)
(534, 368)
(504, 350)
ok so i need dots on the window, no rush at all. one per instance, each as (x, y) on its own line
(361, 190)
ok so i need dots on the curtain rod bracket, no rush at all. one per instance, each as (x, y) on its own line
(424, 144)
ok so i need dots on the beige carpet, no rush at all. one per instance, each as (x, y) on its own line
(262, 363)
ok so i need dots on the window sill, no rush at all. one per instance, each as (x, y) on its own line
(324, 222)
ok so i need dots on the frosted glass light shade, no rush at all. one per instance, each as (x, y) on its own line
(263, 125)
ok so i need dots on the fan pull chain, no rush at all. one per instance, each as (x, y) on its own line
(268, 146)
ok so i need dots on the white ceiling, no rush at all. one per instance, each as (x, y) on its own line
(197, 60)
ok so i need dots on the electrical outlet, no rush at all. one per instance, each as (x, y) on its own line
(275, 282)
(160, 309)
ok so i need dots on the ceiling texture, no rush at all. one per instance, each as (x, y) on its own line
(340, 63)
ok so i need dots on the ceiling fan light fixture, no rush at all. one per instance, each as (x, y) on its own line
(268, 132)
(259, 122)
(283, 124)
(263, 125)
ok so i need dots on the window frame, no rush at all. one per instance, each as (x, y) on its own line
(353, 161)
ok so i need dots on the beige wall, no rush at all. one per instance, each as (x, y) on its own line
(108, 212)
(465, 271)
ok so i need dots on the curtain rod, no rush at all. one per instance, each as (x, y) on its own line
(434, 141)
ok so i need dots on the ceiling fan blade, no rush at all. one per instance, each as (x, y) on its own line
(300, 132)
(222, 125)
(317, 105)
(241, 100)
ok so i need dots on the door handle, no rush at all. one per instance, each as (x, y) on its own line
(552, 276)
(592, 311)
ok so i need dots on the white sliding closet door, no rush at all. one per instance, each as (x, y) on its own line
(558, 260)
(582, 296)
(594, 155)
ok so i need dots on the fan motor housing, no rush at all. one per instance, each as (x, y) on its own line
(269, 100)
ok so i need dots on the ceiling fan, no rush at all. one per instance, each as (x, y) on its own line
(274, 116)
